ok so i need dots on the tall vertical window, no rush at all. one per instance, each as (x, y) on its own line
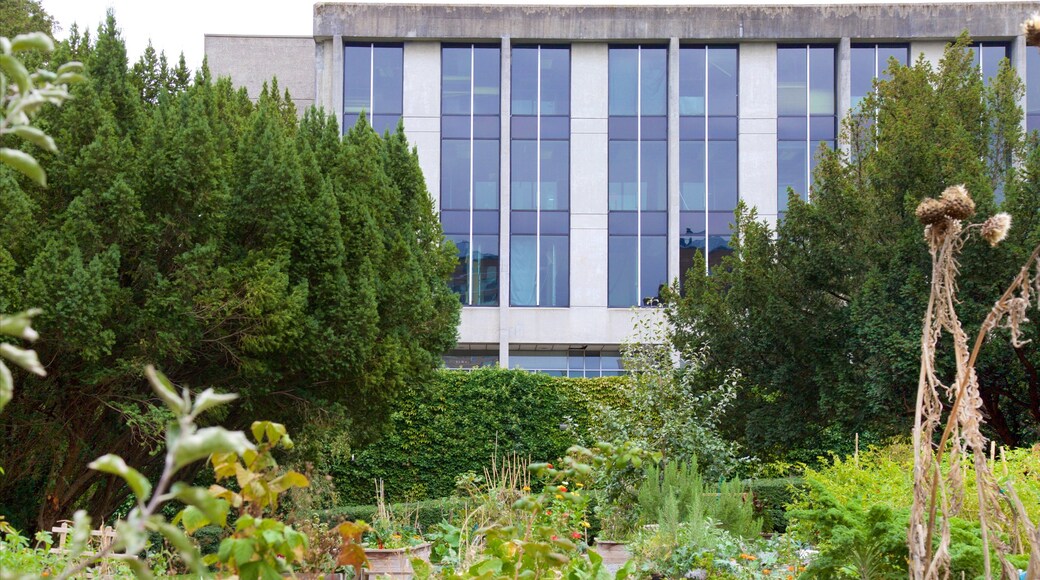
(539, 249)
(805, 114)
(373, 81)
(871, 61)
(707, 153)
(987, 56)
(637, 194)
(470, 108)
(1032, 89)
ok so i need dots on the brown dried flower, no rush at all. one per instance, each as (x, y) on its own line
(1031, 28)
(995, 229)
(959, 204)
(931, 211)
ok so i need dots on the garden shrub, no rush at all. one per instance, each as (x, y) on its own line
(425, 513)
(459, 420)
(771, 499)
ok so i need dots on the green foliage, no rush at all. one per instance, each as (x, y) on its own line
(771, 497)
(820, 315)
(231, 243)
(427, 513)
(455, 423)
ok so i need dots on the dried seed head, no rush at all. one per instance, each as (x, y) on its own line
(959, 204)
(935, 233)
(1031, 28)
(995, 229)
(931, 211)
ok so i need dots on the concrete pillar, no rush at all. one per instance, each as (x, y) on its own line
(504, 205)
(673, 160)
(324, 72)
(422, 110)
(337, 79)
(588, 175)
(844, 88)
(1019, 61)
(757, 133)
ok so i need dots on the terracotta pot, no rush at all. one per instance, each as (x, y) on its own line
(614, 554)
(396, 562)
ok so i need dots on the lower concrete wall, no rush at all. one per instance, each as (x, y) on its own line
(251, 61)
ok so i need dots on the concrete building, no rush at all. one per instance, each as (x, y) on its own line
(581, 156)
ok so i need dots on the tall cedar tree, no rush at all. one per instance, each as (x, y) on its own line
(227, 243)
(823, 316)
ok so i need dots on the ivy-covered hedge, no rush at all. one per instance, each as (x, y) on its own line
(458, 421)
(773, 495)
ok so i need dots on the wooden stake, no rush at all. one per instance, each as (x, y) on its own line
(857, 451)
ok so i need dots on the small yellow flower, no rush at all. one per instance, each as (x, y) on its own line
(558, 496)
(527, 488)
(585, 525)
(580, 484)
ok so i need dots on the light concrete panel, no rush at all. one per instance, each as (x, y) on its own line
(479, 324)
(323, 73)
(588, 267)
(764, 126)
(428, 146)
(422, 79)
(931, 49)
(337, 78)
(756, 164)
(422, 125)
(589, 126)
(844, 89)
(757, 81)
(589, 81)
(252, 61)
(577, 325)
(588, 221)
(757, 171)
(589, 173)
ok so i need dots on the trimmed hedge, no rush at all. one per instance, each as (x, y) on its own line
(457, 422)
(774, 495)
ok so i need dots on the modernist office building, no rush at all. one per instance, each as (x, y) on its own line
(580, 157)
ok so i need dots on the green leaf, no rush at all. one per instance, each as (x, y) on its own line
(139, 568)
(242, 550)
(422, 569)
(288, 481)
(189, 554)
(17, 71)
(6, 385)
(224, 551)
(208, 399)
(80, 534)
(32, 41)
(164, 389)
(214, 509)
(115, 465)
(23, 163)
(36, 137)
(192, 519)
(24, 358)
(20, 325)
(205, 442)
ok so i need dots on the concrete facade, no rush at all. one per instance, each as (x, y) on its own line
(589, 31)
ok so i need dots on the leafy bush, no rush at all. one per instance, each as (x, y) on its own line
(427, 513)
(771, 499)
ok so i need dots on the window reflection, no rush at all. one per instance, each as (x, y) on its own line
(373, 84)
(574, 363)
(806, 115)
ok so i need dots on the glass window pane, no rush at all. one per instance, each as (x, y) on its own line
(653, 72)
(387, 93)
(654, 176)
(621, 170)
(886, 53)
(654, 265)
(455, 169)
(1033, 81)
(691, 175)
(821, 81)
(791, 80)
(622, 271)
(623, 85)
(722, 175)
(523, 83)
(455, 80)
(357, 79)
(485, 270)
(459, 282)
(722, 81)
(522, 268)
(862, 71)
(523, 170)
(992, 54)
(556, 174)
(691, 81)
(554, 271)
(556, 81)
(792, 161)
(486, 77)
(485, 174)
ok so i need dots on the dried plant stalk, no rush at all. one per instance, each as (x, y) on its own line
(939, 496)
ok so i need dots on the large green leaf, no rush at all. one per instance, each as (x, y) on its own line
(23, 163)
(201, 444)
(32, 41)
(115, 465)
(162, 387)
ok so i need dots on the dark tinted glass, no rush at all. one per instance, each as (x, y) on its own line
(623, 223)
(622, 173)
(862, 69)
(623, 81)
(523, 174)
(691, 175)
(692, 128)
(555, 174)
(1033, 81)
(523, 81)
(388, 75)
(792, 129)
(357, 79)
(556, 81)
(992, 54)
(486, 76)
(556, 127)
(654, 264)
(821, 128)
(791, 80)
(722, 128)
(691, 80)
(486, 126)
(456, 127)
(901, 53)
(523, 222)
(485, 174)
(455, 80)
(722, 81)
(722, 175)
(622, 271)
(555, 222)
(653, 128)
(455, 221)
(523, 265)
(654, 176)
(554, 270)
(821, 81)
(792, 160)
(384, 123)
(485, 270)
(485, 222)
(653, 72)
(455, 174)
(654, 223)
(459, 282)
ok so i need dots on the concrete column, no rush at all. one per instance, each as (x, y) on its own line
(504, 205)
(337, 79)
(1018, 60)
(589, 63)
(323, 70)
(673, 160)
(844, 88)
(757, 133)
(422, 110)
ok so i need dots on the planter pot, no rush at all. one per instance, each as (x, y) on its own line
(615, 554)
(396, 562)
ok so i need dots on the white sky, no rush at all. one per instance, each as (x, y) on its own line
(179, 26)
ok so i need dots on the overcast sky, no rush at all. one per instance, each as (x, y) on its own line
(179, 26)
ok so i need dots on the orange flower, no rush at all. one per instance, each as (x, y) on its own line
(748, 557)
(575, 535)
(562, 488)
